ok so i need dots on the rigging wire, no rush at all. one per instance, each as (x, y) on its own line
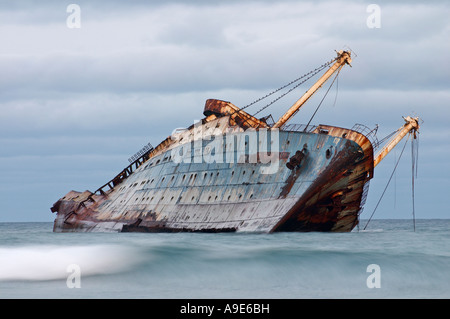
(414, 158)
(313, 73)
(323, 98)
(398, 161)
(307, 76)
(395, 181)
(376, 145)
(337, 90)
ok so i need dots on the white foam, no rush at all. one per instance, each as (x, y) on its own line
(378, 230)
(52, 262)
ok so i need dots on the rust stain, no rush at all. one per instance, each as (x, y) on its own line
(218, 108)
(320, 206)
(294, 164)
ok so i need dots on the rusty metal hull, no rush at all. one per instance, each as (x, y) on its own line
(325, 191)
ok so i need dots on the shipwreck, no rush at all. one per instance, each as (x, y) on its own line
(232, 171)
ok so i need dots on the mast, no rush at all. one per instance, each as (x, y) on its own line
(342, 59)
(411, 125)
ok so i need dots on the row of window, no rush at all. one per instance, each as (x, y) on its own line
(192, 199)
(192, 178)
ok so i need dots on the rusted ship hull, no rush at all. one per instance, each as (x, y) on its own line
(323, 191)
(234, 172)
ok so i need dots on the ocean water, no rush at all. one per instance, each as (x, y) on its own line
(388, 260)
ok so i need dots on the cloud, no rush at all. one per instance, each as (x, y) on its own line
(187, 47)
(135, 71)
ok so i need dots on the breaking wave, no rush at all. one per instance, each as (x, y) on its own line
(51, 262)
(192, 265)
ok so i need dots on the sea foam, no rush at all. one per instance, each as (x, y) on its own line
(51, 262)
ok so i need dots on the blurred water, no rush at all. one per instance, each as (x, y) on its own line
(34, 263)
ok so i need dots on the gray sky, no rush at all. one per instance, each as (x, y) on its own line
(76, 103)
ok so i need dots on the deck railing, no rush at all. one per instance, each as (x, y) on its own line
(137, 160)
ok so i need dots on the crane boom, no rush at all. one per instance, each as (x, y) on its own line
(342, 59)
(411, 125)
